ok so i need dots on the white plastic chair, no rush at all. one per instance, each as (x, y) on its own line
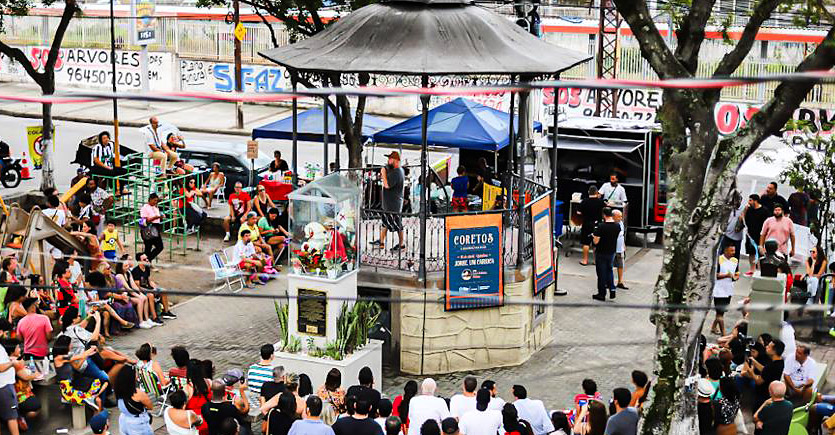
(227, 272)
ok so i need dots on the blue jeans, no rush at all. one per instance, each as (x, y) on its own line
(604, 263)
(95, 372)
(825, 408)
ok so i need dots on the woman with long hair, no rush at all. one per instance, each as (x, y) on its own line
(595, 424)
(400, 406)
(134, 404)
(216, 180)
(201, 391)
(194, 214)
(280, 418)
(15, 295)
(305, 386)
(332, 395)
(141, 302)
(561, 424)
(726, 407)
(815, 268)
(146, 355)
(120, 300)
(262, 201)
(510, 421)
(75, 387)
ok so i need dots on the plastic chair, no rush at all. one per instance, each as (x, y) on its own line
(227, 272)
(797, 429)
(150, 383)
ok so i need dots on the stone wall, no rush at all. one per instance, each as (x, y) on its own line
(471, 339)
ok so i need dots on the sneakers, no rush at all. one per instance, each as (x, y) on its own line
(146, 325)
(91, 402)
(168, 315)
(156, 322)
(226, 237)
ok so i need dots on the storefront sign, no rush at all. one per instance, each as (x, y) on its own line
(637, 104)
(474, 261)
(313, 310)
(198, 75)
(543, 245)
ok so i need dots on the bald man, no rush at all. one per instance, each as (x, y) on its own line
(775, 414)
(155, 141)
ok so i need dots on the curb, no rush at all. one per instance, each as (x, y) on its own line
(134, 124)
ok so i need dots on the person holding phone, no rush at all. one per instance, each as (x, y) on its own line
(723, 289)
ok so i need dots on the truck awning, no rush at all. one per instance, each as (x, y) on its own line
(575, 143)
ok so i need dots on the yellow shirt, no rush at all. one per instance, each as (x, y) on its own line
(108, 243)
(253, 231)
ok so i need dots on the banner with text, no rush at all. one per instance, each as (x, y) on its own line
(474, 261)
(91, 68)
(198, 75)
(543, 244)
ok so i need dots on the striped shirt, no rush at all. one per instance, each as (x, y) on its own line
(102, 152)
(257, 375)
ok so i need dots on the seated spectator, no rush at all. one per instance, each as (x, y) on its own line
(100, 423)
(641, 382)
(142, 278)
(239, 206)
(510, 421)
(141, 302)
(134, 404)
(274, 232)
(393, 426)
(305, 386)
(496, 403)
(449, 426)
(178, 419)
(260, 372)
(365, 390)
(333, 396)
(360, 423)
(245, 257)
(99, 280)
(311, 424)
(35, 330)
(194, 214)
(180, 356)
(426, 406)
(65, 294)
(799, 370)
(561, 424)
(589, 392)
(251, 225)
(215, 181)
(119, 300)
(74, 385)
(200, 384)
(430, 427)
(481, 420)
(625, 419)
(280, 418)
(532, 411)
(262, 201)
(774, 416)
(146, 355)
(384, 409)
(592, 418)
(220, 408)
(15, 296)
(465, 401)
(28, 406)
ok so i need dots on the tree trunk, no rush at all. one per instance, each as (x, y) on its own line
(47, 171)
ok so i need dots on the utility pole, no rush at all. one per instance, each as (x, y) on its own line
(607, 58)
(117, 161)
(239, 106)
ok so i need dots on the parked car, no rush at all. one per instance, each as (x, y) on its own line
(232, 159)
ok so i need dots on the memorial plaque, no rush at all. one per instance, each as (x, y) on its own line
(313, 312)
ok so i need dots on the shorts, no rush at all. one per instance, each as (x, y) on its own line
(110, 255)
(586, 233)
(459, 203)
(392, 221)
(618, 260)
(721, 304)
(31, 404)
(8, 403)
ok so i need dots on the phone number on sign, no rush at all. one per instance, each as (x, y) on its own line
(102, 77)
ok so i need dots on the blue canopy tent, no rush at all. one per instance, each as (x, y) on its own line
(461, 123)
(311, 124)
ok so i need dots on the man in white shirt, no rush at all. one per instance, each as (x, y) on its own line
(723, 288)
(620, 249)
(154, 140)
(481, 421)
(426, 406)
(244, 256)
(8, 397)
(496, 402)
(464, 402)
(59, 217)
(532, 410)
(612, 192)
(799, 368)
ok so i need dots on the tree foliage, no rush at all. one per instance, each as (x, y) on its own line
(701, 171)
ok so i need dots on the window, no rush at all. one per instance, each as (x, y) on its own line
(198, 160)
(229, 164)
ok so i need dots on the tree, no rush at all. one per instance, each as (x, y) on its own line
(44, 78)
(302, 19)
(701, 171)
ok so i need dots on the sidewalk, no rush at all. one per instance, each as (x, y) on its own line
(187, 115)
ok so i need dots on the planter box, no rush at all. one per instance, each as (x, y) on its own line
(317, 368)
(320, 323)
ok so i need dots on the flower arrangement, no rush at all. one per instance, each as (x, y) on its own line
(309, 260)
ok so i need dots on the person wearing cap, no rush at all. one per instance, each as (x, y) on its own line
(481, 420)
(274, 232)
(219, 408)
(100, 424)
(393, 178)
(251, 224)
(311, 423)
(704, 406)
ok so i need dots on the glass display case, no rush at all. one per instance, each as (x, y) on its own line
(325, 219)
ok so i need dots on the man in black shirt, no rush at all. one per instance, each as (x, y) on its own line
(771, 197)
(275, 387)
(605, 239)
(219, 409)
(591, 210)
(359, 423)
(365, 390)
(754, 215)
(770, 372)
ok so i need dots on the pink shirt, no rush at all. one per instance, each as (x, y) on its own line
(779, 230)
(33, 328)
(148, 211)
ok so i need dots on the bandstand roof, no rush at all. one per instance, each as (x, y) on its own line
(433, 37)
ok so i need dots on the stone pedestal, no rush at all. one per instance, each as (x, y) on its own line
(766, 291)
(316, 318)
(371, 355)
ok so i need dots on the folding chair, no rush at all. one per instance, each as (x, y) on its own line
(150, 383)
(227, 272)
(220, 193)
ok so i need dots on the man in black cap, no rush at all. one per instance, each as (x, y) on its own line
(482, 421)
(393, 179)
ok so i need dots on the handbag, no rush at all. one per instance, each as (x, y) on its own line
(265, 425)
(149, 232)
(196, 207)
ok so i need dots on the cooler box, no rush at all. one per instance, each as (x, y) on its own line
(558, 218)
(277, 190)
